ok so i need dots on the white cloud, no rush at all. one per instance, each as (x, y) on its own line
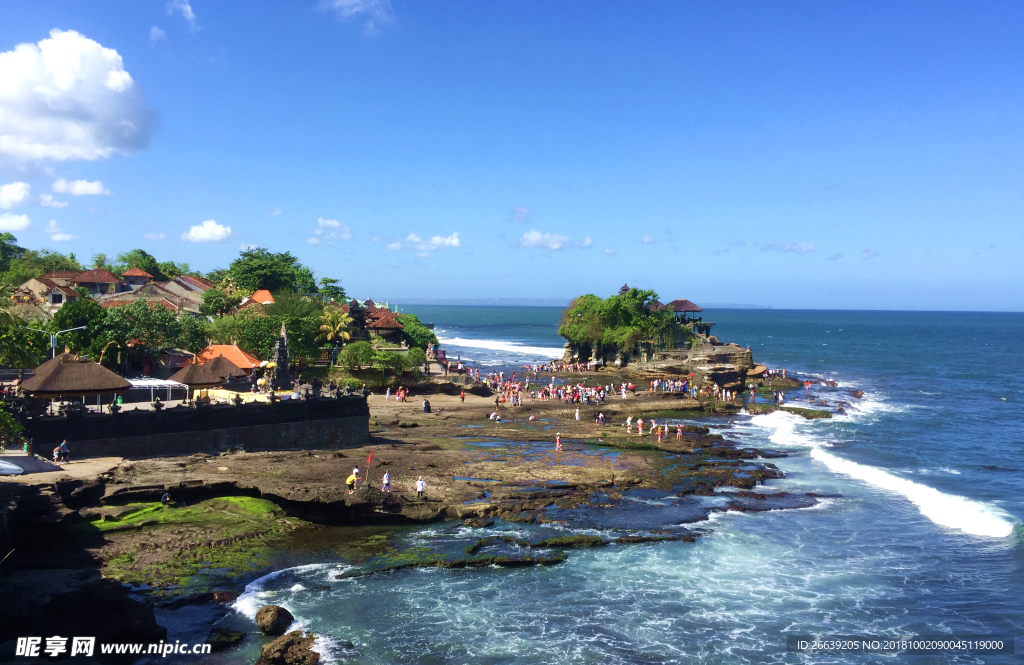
(394, 246)
(55, 233)
(13, 194)
(835, 257)
(153, 236)
(795, 247)
(274, 213)
(68, 97)
(647, 240)
(868, 254)
(185, 9)
(80, 188)
(376, 12)
(522, 215)
(435, 242)
(208, 231)
(553, 241)
(246, 246)
(609, 251)
(586, 242)
(11, 222)
(47, 201)
(340, 231)
(156, 34)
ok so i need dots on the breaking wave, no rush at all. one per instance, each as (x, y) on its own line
(949, 510)
(499, 345)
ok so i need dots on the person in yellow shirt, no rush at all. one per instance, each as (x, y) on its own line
(351, 482)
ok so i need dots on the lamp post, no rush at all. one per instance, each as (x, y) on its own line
(53, 337)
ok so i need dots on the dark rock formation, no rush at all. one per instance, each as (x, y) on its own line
(273, 620)
(291, 649)
(104, 612)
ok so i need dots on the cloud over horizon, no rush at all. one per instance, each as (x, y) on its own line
(208, 231)
(13, 194)
(11, 222)
(80, 188)
(67, 97)
(795, 247)
(377, 13)
(56, 235)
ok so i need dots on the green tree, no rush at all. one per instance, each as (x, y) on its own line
(335, 326)
(219, 276)
(259, 268)
(33, 263)
(388, 360)
(331, 291)
(9, 251)
(141, 259)
(194, 333)
(257, 334)
(356, 355)
(217, 302)
(172, 270)
(140, 328)
(20, 347)
(620, 322)
(415, 333)
(10, 427)
(415, 358)
(224, 330)
(82, 312)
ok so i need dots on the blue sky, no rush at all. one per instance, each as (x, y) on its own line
(808, 155)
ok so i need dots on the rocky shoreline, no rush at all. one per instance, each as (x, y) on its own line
(246, 513)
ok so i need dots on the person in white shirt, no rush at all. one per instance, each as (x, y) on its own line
(421, 487)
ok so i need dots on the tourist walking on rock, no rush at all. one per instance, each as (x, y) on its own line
(351, 482)
(386, 484)
(577, 413)
(462, 396)
(558, 441)
(421, 487)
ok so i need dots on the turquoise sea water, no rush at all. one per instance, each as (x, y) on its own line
(926, 538)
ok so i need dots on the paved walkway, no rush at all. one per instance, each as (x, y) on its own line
(37, 470)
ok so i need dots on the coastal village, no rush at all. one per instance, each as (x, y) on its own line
(265, 421)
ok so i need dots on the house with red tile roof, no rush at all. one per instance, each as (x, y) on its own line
(98, 281)
(136, 277)
(244, 360)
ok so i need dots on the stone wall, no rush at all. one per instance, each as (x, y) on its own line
(312, 424)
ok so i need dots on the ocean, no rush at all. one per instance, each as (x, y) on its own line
(925, 537)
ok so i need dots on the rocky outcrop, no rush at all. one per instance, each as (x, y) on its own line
(727, 365)
(273, 620)
(220, 639)
(106, 613)
(291, 649)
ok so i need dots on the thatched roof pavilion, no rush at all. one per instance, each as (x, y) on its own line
(221, 366)
(197, 376)
(70, 377)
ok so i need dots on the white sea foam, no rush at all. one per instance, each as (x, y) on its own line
(500, 345)
(956, 512)
(256, 594)
(949, 510)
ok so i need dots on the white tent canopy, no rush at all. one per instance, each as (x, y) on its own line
(152, 385)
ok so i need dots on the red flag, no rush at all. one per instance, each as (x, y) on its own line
(369, 458)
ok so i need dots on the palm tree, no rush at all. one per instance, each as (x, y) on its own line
(335, 325)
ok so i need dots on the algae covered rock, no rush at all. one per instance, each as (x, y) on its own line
(291, 649)
(273, 620)
(221, 638)
(479, 522)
